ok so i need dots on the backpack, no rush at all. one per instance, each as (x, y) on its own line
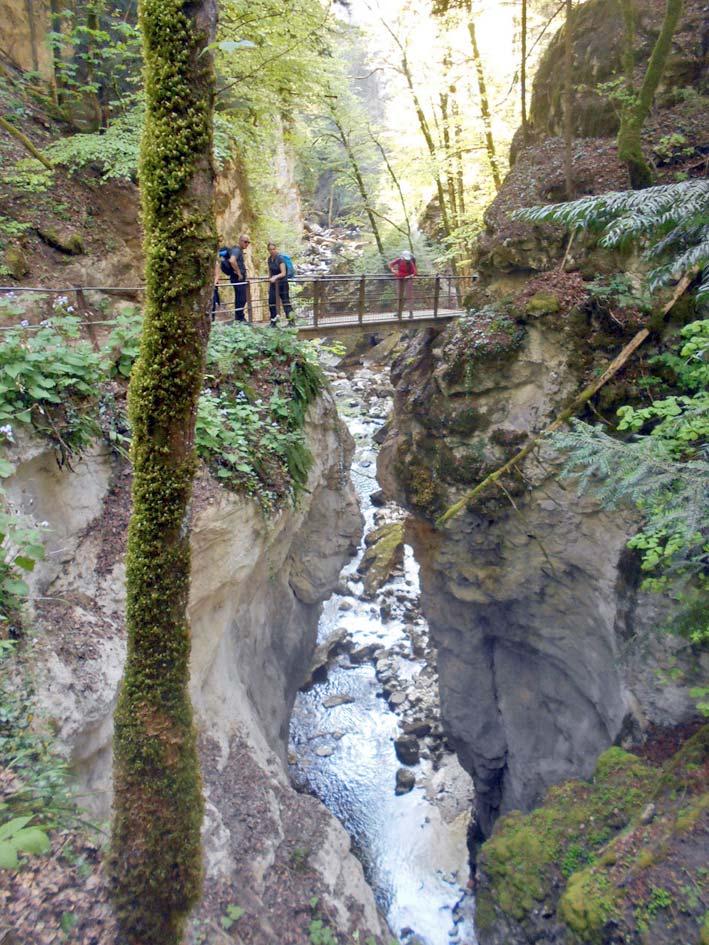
(290, 268)
(224, 263)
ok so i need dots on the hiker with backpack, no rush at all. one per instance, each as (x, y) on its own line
(280, 270)
(235, 268)
(404, 269)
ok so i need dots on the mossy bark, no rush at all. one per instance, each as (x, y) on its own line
(634, 115)
(155, 846)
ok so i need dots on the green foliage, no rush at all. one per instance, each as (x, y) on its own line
(45, 376)
(97, 62)
(114, 149)
(28, 176)
(321, 934)
(21, 547)
(663, 472)
(36, 798)
(251, 444)
(9, 228)
(20, 836)
(231, 916)
(670, 222)
(124, 343)
(618, 290)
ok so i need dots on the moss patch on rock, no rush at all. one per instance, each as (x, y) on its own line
(385, 552)
(622, 851)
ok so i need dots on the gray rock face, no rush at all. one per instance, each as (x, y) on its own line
(256, 592)
(532, 607)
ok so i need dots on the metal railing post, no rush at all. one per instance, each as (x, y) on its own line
(362, 297)
(316, 302)
(436, 294)
(400, 300)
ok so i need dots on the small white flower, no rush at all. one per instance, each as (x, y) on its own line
(70, 308)
(24, 323)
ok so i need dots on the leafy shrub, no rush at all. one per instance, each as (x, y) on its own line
(45, 376)
(114, 150)
(251, 443)
(36, 796)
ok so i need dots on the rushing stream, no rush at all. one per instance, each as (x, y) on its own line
(381, 676)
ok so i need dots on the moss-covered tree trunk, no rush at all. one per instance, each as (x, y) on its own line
(156, 851)
(634, 116)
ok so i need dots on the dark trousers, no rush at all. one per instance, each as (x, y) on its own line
(216, 302)
(280, 287)
(240, 296)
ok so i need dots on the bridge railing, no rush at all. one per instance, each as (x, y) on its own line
(319, 302)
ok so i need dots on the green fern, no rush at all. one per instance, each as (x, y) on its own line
(662, 469)
(670, 221)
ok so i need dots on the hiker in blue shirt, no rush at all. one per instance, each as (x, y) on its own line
(278, 283)
(239, 277)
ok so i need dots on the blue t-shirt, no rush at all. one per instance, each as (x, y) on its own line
(274, 265)
(238, 254)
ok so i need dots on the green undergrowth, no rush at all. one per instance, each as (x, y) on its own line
(596, 854)
(251, 419)
(36, 799)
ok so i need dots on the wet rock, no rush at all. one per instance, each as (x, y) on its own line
(405, 780)
(334, 644)
(420, 728)
(345, 605)
(384, 554)
(341, 698)
(396, 699)
(363, 653)
(407, 749)
(378, 498)
(324, 751)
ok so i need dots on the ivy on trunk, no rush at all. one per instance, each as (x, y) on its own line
(155, 846)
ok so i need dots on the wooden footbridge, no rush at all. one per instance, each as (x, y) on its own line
(321, 305)
(328, 305)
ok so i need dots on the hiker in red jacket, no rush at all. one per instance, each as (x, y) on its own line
(404, 269)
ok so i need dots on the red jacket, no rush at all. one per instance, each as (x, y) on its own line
(403, 268)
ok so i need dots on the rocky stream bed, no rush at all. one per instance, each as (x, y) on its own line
(366, 736)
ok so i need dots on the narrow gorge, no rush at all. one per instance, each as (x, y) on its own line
(448, 667)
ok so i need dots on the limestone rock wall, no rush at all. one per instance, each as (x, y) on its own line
(532, 599)
(24, 25)
(257, 587)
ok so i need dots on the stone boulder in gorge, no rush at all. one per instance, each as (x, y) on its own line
(383, 555)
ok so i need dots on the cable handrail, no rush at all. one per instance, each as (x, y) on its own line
(328, 277)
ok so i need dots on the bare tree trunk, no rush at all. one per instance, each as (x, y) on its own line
(443, 99)
(523, 70)
(458, 157)
(156, 857)
(359, 180)
(633, 116)
(568, 102)
(484, 101)
(397, 184)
